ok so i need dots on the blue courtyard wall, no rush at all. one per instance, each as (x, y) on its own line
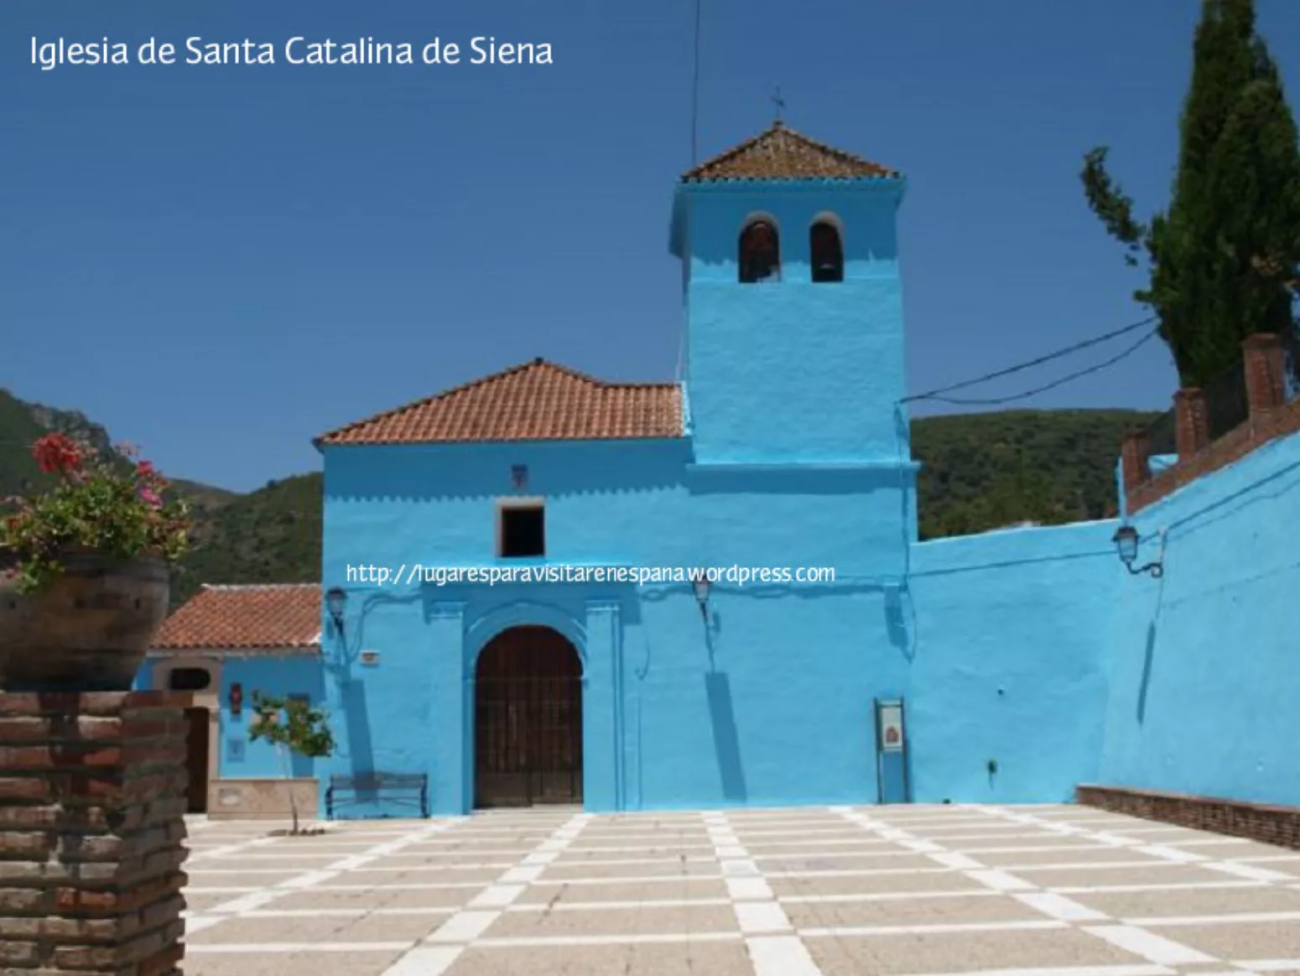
(1203, 668)
(1006, 642)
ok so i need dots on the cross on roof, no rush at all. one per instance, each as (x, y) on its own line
(779, 102)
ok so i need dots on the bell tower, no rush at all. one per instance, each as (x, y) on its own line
(794, 317)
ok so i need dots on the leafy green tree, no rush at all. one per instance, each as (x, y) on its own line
(1223, 257)
(291, 725)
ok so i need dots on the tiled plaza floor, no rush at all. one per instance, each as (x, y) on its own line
(896, 891)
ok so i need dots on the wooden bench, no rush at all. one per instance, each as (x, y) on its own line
(403, 789)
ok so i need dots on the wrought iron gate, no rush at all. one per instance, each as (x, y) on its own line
(528, 720)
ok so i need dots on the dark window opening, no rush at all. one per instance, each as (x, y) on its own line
(189, 679)
(760, 253)
(523, 532)
(827, 253)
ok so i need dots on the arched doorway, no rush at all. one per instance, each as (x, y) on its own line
(527, 720)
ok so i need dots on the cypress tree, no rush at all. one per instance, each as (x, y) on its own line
(1224, 256)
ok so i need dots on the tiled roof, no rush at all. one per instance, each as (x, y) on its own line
(534, 401)
(784, 154)
(256, 617)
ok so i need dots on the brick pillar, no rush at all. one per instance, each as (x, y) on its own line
(1264, 364)
(1134, 456)
(1191, 421)
(92, 804)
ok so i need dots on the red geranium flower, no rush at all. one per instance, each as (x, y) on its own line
(57, 454)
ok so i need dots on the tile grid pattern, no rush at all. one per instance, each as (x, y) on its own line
(900, 891)
(486, 907)
(259, 898)
(1059, 908)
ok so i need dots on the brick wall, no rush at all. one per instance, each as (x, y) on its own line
(1269, 824)
(92, 804)
(1270, 417)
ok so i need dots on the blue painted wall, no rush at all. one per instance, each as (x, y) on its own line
(1204, 676)
(274, 676)
(1009, 662)
(144, 677)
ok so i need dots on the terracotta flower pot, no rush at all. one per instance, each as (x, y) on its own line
(89, 631)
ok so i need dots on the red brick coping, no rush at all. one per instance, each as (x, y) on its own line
(1262, 427)
(1269, 824)
(92, 805)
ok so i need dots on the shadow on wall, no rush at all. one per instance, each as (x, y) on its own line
(726, 741)
(1147, 663)
(1149, 649)
(896, 621)
(361, 751)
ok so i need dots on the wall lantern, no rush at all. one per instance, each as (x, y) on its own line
(236, 699)
(700, 582)
(1126, 543)
(335, 600)
(519, 476)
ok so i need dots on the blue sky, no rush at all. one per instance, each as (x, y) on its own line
(220, 262)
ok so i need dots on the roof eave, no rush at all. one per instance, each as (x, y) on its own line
(270, 650)
(510, 441)
(883, 181)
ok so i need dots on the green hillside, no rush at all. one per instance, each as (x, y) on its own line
(984, 471)
(272, 535)
(980, 472)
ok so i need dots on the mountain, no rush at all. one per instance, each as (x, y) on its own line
(979, 472)
(272, 535)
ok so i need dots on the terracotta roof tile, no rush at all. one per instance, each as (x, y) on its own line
(534, 401)
(784, 154)
(256, 617)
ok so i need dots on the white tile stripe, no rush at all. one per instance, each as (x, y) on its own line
(1140, 942)
(1228, 919)
(1115, 970)
(1268, 965)
(769, 937)
(836, 932)
(784, 955)
(218, 948)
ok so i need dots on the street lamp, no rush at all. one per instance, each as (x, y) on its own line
(335, 600)
(1126, 543)
(700, 583)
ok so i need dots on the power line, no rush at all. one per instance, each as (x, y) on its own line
(1068, 350)
(1047, 386)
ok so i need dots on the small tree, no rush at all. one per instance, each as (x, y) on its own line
(291, 725)
(1224, 256)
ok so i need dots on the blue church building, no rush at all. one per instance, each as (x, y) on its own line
(781, 448)
(541, 587)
